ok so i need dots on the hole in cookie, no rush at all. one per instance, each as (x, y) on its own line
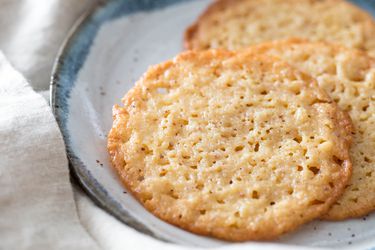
(219, 170)
(147, 197)
(331, 184)
(163, 172)
(256, 147)
(237, 214)
(298, 139)
(369, 174)
(314, 169)
(199, 186)
(348, 108)
(355, 200)
(166, 113)
(238, 148)
(163, 161)
(141, 178)
(187, 176)
(367, 160)
(278, 179)
(316, 202)
(194, 167)
(206, 46)
(146, 150)
(202, 212)
(299, 168)
(227, 124)
(291, 191)
(234, 225)
(318, 101)
(337, 160)
(322, 141)
(225, 135)
(264, 92)
(173, 194)
(186, 157)
(255, 195)
(365, 108)
(304, 151)
(272, 203)
(220, 201)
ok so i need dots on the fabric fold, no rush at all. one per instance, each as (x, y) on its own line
(36, 201)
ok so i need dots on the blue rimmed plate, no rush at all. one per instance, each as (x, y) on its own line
(106, 52)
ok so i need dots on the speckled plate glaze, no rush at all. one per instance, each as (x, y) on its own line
(105, 53)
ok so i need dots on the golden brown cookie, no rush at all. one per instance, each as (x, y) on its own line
(232, 146)
(349, 77)
(234, 24)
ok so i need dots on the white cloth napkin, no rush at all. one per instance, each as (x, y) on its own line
(36, 198)
(32, 32)
(37, 207)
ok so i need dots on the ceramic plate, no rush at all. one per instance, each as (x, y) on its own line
(105, 54)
